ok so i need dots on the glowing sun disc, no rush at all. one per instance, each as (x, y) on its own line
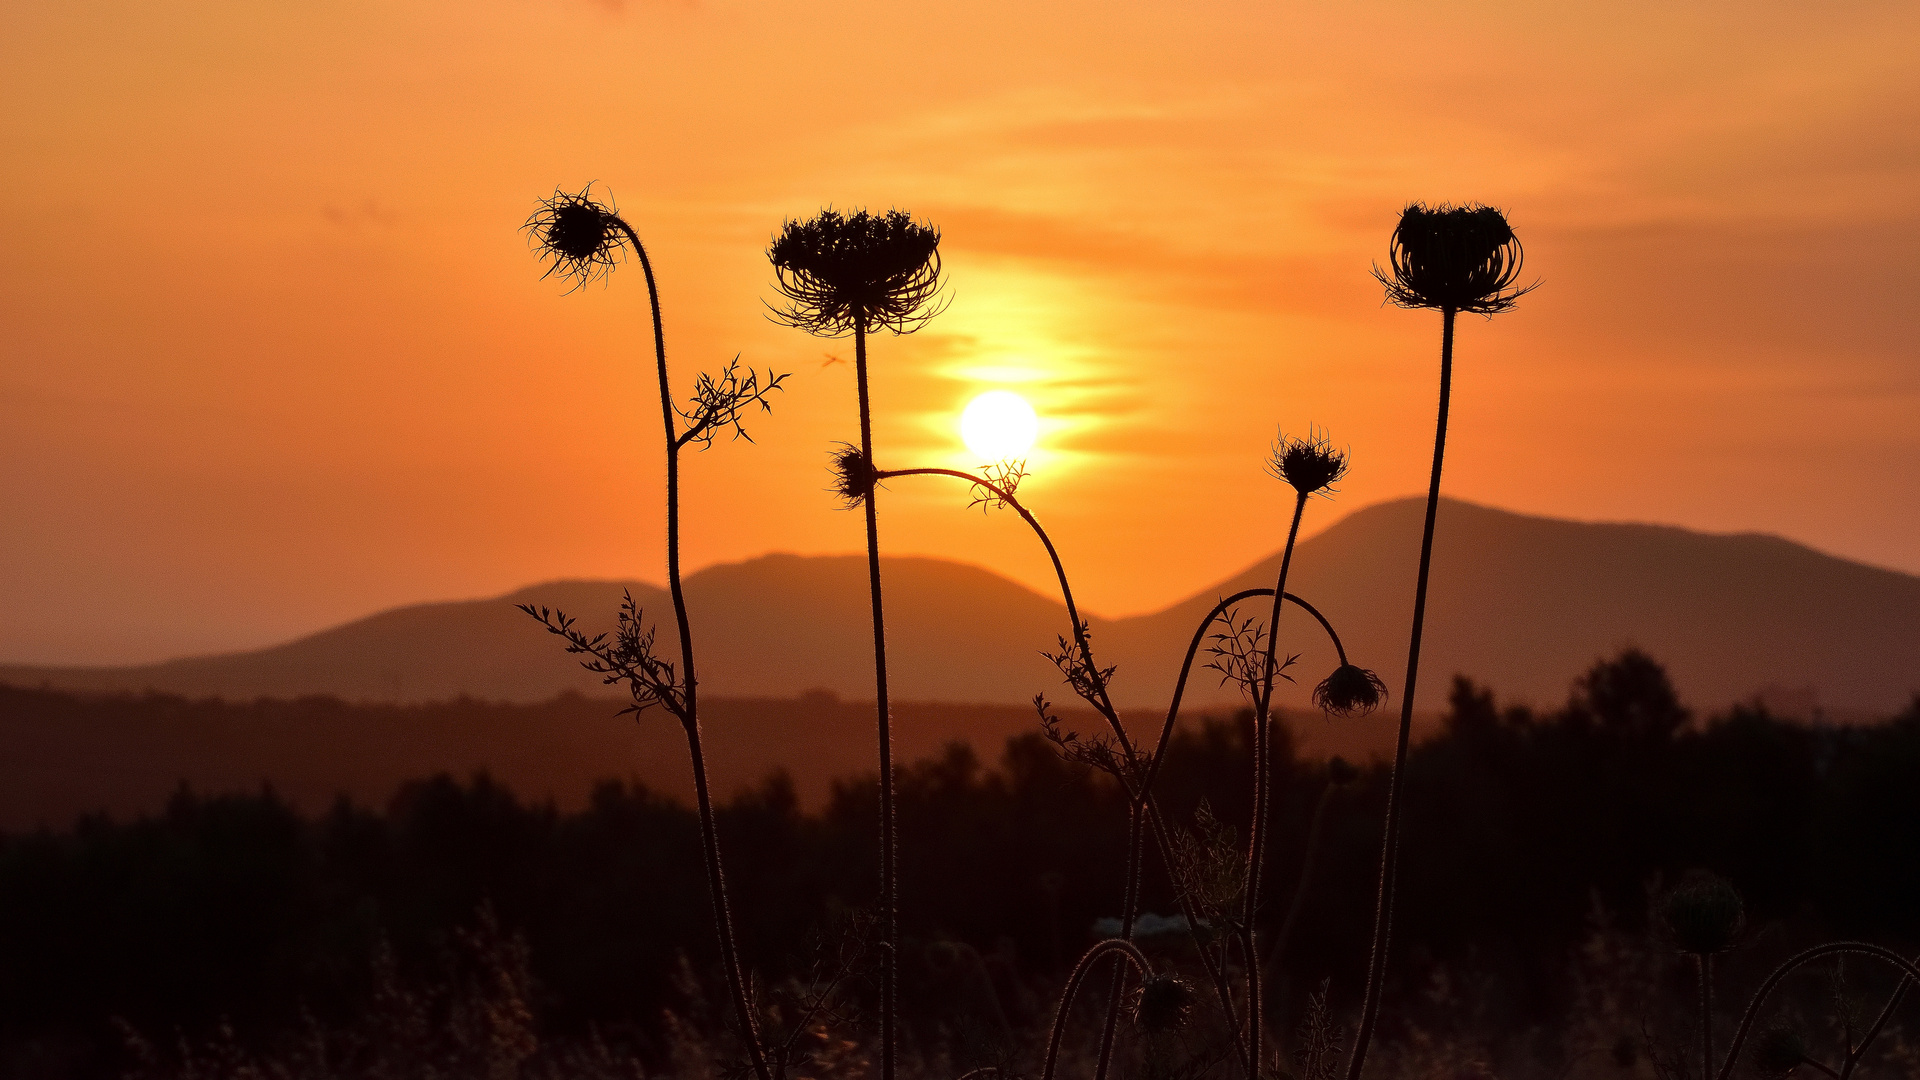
(999, 424)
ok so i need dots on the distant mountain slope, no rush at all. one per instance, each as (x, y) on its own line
(1526, 603)
(1522, 603)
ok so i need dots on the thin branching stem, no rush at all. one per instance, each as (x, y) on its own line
(1856, 1052)
(1000, 494)
(1128, 952)
(1787, 967)
(889, 854)
(1390, 843)
(1216, 975)
(1140, 795)
(688, 706)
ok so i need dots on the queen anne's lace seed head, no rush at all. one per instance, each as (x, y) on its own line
(1461, 257)
(838, 271)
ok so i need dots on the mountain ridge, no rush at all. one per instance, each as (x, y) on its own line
(1520, 602)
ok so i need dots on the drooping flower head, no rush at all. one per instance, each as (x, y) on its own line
(1350, 691)
(1163, 1004)
(1705, 914)
(1460, 257)
(853, 475)
(839, 270)
(577, 236)
(1310, 464)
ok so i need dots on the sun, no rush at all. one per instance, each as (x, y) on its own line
(999, 425)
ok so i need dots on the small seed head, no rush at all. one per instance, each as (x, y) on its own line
(577, 236)
(1705, 914)
(1310, 465)
(1163, 1004)
(853, 475)
(1778, 1052)
(1350, 691)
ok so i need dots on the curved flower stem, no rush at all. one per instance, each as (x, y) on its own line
(1141, 798)
(1800, 959)
(1000, 494)
(1127, 950)
(889, 852)
(1390, 843)
(1262, 792)
(690, 717)
(1193, 650)
(1103, 703)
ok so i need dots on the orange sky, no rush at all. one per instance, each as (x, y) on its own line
(275, 355)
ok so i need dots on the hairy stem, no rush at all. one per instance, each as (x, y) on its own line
(1390, 843)
(690, 718)
(1142, 797)
(1262, 791)
(889, 897)
(1128, 953)
(1787, 967)
(1193, 650)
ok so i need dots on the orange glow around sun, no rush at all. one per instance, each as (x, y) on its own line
(277, 356)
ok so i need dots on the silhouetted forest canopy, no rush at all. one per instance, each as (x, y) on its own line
(1535, 838)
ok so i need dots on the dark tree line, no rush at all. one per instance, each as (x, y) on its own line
(1520, 824)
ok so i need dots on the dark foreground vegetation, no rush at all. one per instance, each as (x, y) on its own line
(489, 936)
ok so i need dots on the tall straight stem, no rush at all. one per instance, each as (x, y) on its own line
(1262, 796)
(1390, 844)
(889, 899)
(690, 718)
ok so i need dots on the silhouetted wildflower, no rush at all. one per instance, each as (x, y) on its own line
(1704, 914)
(1310, 464)
(842, 270)
(1778, 1052)
(581, 239)
(853, 475)
(1350, 691)
(1460, 257)
(1451, 259)
(1162, 1004)
(576, 236)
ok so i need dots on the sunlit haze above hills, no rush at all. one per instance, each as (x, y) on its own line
(275, 354)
